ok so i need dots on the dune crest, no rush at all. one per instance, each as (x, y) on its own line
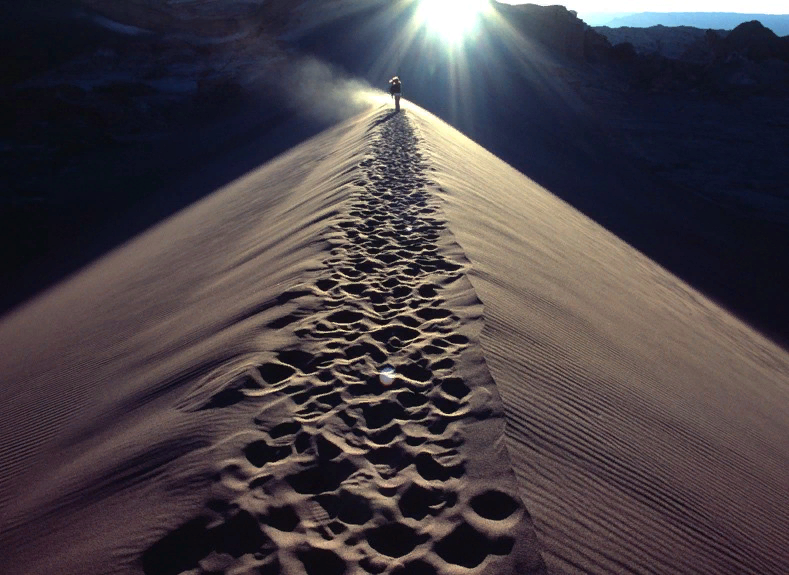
(367, 356)
(308, 460)
(342, 468)
(648, 427)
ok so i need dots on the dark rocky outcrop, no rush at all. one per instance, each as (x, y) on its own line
(778, 23)
(669, 42)
(750, 40)
(557, 28)
(98, 100)
(749, 59)
(754, 42)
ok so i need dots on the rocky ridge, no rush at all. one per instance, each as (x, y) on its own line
(557, 28)
(751, 40)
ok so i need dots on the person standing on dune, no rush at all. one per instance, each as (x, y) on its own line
(395, 89)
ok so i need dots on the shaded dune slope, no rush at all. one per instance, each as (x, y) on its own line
(214, 402)
(648, 427)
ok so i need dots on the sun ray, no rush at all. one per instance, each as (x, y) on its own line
(452, 19)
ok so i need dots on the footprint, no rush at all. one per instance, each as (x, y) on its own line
(340, 437)
(326, 448)
(354, 288)
(430, 469)
(184, 548)
(445, 363)
(494, 505)
(430, 313)
(467, 547)
(282, 518)
(409, 399)
(391, 456)
(323, 478)
(284, 321)
(345, 317)
(284, 429)
(275, 372)
(318, 561)
(224, 398)
(446, 406)
(428, 291)
(415, 372)
(417, 567)
(382, 413)
(347, 507)
(385, 436)
(365, 349)
(418, 502)
(298, 359)
(258, 453)
(457, 339)
(395, 539)
(455, 387)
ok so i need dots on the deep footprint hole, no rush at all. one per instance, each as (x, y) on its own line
(284, 429)
(494, 505)
(455, 387)
(326, 477)
(282, 518)
(418, 502)
(179, 550)
(381, 414)
(347, 507)
(431, 313)
(259, 453)
(416, 373)
(395, 539)
(431, 469)
(321, 562)
(467, 547)
(417, 567)
(275, 372)
(445, 363)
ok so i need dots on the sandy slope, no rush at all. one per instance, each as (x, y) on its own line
(648, 427)
(206, 397)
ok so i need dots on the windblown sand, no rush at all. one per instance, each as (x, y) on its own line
(207, 399)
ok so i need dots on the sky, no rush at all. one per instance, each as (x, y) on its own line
(741, 6)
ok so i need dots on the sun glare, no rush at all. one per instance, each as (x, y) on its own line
(451, 19)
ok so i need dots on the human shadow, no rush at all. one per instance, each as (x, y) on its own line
(385, 119)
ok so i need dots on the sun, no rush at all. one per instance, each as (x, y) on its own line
(452, 19)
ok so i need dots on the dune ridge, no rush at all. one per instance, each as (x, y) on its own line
(648, 427)
(342, 468)
(207, 397)
(273, 445)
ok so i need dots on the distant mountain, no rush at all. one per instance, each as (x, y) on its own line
(755, 42)
(600, 18)
(669, 42)
(778, 23)
(751, 40)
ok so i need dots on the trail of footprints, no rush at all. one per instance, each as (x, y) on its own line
(338, 473)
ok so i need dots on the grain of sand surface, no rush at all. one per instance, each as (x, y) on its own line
(207, 399)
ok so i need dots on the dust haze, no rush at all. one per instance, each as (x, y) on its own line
(323, 92)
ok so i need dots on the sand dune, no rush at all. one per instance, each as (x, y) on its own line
(648, 427)
(207, 399)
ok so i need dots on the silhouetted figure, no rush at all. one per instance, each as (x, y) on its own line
(396, 90)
